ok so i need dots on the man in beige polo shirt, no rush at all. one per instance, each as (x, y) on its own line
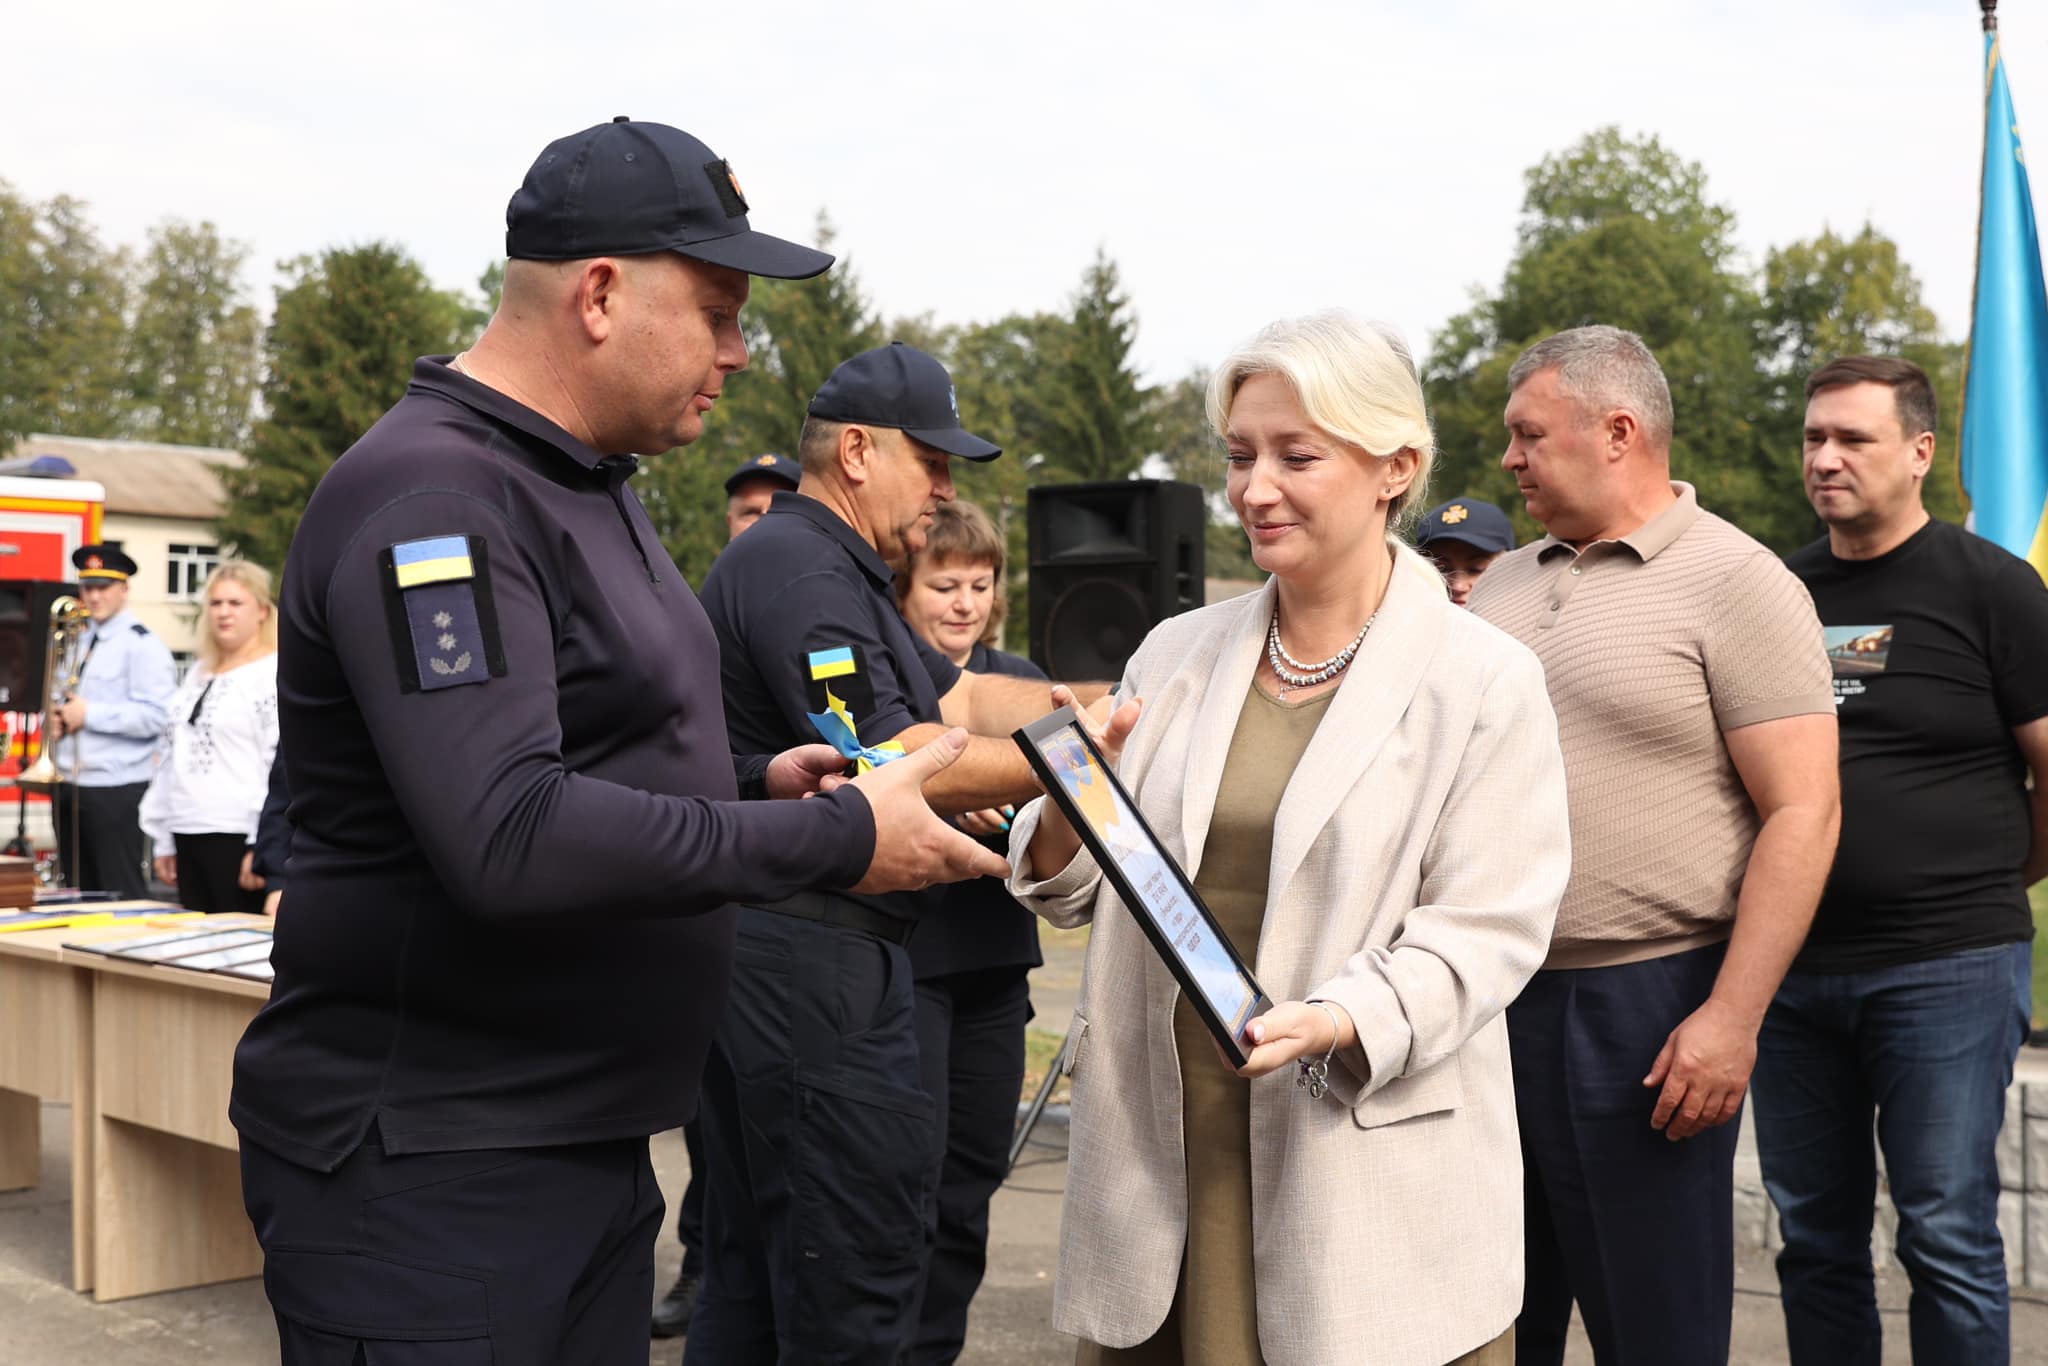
(1698, 723)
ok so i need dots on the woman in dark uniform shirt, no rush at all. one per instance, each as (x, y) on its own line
(972, 957)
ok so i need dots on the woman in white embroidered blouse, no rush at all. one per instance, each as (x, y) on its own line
(201, 808)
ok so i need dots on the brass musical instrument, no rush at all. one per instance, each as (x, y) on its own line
(68, 620)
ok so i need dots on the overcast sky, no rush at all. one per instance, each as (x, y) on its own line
(1240, 162)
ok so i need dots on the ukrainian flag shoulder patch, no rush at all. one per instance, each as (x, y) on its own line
(833, 663)
(436, 559)
(440, 612)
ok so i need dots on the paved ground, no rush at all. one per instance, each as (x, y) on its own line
(43, 1324)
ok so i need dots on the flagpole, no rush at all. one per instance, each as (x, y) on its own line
(1990, 8)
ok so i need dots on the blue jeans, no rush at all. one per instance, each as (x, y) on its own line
(1928, 1049)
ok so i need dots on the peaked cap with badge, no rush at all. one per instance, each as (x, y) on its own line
(1477, 524)
(105, 562)
(779, 468)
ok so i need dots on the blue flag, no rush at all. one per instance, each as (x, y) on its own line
(2005, 390)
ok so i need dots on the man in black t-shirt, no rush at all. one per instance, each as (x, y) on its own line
(1912, 994)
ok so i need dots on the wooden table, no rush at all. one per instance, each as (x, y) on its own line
(143, 1054)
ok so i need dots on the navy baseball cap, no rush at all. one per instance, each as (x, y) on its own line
(777, 467)
(631, 189)
(1479, 525)
(900, 386)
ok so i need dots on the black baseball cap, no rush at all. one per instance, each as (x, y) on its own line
(780, 468)
(900, 386)
(1479, 525)
(626, 188)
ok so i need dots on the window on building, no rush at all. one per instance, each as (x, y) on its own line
(189, 567)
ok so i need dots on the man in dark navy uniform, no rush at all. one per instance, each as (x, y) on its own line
(748, 490)
(107, 731)
(816, 1129)
(514, 810)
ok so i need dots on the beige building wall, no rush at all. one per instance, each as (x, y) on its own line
(174, 617)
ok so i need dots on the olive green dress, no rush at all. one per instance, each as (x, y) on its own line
(1215, 1318)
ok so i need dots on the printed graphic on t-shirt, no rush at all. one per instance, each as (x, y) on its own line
(1856, 653)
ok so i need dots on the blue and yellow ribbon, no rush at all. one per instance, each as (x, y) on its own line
(837, 726)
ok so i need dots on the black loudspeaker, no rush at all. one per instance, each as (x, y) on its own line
(1109, 562)
(25, 640)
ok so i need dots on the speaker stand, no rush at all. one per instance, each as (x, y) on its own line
(1036, 1108)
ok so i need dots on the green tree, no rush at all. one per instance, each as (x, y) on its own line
(797, 331)
(348, 325)
(1620, 230)
(1087, 411)
(193, 356)
(994, 368)
(1835, 296)
(1192, 452)
(63, 307)
(478, 311)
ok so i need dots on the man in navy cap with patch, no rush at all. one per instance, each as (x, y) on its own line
(817, 1132)
(1464, 536)
(107, 731)
(747, 492)
(750, 488)
(516, 818)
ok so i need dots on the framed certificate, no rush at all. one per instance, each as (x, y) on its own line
(1182, 930)
(180, 946)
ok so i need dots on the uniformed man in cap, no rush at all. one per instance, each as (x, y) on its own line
(1463, 537)
(108, 728)
(515, 817)
(749, 488)
(816, 1130)
(747, 491)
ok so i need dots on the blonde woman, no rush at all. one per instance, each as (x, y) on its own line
(1364, 784)
(201, 808)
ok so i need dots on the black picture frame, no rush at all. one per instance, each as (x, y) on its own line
(1063, 727)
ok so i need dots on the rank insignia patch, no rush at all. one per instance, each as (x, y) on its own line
(437, 603)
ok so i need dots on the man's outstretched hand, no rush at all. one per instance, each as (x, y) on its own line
(914, 847)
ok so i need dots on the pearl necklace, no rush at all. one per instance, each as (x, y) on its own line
(1292, 673)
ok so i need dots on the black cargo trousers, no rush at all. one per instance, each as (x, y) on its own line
(817, 1142)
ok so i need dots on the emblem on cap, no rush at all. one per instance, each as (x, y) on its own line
(764, 460)
(1455, 514)
(726, 186)
(94, 562)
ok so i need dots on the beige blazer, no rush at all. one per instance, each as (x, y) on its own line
(1419, 854)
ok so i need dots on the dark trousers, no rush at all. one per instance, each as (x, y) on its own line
(1638, 1229)
(516, 1257)
(690, 1209)
(1926, 1051)
(970, 1039)
(209, 874)
(816, 1137)
(104, 845)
